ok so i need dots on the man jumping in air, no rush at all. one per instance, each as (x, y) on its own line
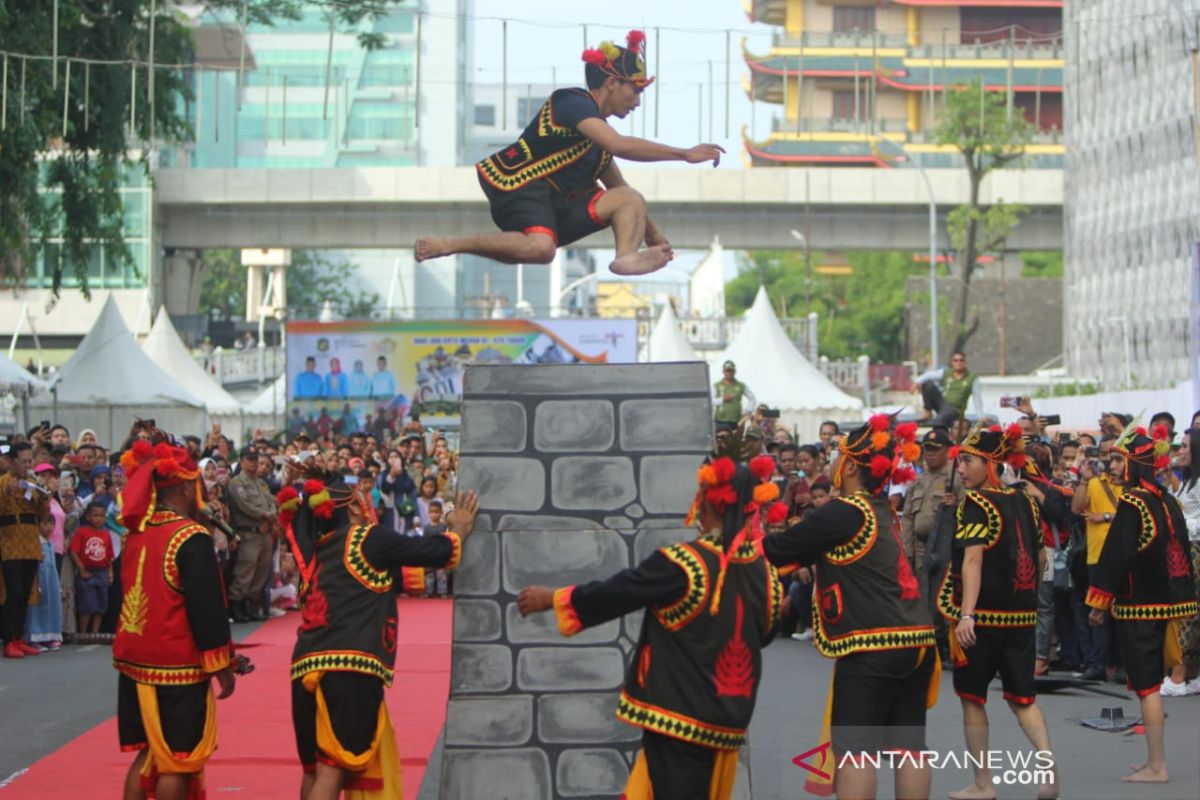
(558, 183)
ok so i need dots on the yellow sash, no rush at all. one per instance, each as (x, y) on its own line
(379, 772)
(1172, 648)
(161, 759)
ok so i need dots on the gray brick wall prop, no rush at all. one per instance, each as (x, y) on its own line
(583, 470)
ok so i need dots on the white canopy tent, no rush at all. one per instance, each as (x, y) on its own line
(667, 342)
(16, 381)
(109, 381)
(776, 372)
(268, 409)
(164, 346)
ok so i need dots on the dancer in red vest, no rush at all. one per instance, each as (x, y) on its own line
(173, 634)
(712, 605)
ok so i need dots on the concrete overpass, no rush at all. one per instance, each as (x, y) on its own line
(842, 208)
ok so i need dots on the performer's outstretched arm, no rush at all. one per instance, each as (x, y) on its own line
(822, 529)
(655, 581)
(633, 148)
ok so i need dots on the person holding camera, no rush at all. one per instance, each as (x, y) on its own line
(21, 509)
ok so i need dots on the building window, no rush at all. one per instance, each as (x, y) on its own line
(485, 115)
(853, 19)
(527, 107)
(843, 105)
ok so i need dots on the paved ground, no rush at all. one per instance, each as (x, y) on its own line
(791, 703)
(48, 700)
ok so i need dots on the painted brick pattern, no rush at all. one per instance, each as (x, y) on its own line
(583, 470)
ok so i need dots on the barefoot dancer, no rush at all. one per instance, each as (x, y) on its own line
(990, 592)
(1145, 560)
(543, 188)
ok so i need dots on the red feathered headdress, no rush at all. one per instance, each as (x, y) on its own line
(623, 63)
(148, 468)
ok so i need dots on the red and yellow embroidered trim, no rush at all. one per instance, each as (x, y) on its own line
(170, 565)
(870, 639)
(747, 551)
(774, 596)
(548, 126)
(412, 580)
(161, 676)
(565, 613)
(680, 613)
(1098, 598)
(678, 726)
(342, 661)
(456, 551)
(1156, 611)
(377, 580)
(216, 659)
(984, 617)
(1149, 526)
(861, 542)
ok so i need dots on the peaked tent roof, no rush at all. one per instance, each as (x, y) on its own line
(264, 403)
(109, 368)
(775, 370)
(166, 349)
(17, 380)
(667, 342)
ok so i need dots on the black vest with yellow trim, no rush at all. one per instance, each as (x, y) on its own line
(349, 611)
(865, 596)
(1160, 584)
(1009, 576)
(154, 642)
(545, 147)
(695, 674)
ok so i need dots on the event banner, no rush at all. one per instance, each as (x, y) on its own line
(362, 375)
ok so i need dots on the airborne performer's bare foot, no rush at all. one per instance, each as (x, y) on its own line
(559, 183)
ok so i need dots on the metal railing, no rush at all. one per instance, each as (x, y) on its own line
(1024, 44)
(253, 365)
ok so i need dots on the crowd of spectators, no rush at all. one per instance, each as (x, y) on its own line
(61, 532)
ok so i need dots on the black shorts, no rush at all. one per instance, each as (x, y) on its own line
(538, 207)
(1009, 651)
(182, 712)
(1141, 644)
(879, 700)
(352, 699)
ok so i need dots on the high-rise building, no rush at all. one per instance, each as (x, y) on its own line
(1132, 181)
(292, 97)
(847, 73)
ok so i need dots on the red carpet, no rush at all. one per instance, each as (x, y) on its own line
(257, 753)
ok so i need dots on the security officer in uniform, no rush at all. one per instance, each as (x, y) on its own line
(252, 514)
(728, 394)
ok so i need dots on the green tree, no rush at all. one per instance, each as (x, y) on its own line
(861, 313)
(70, 135)
(990, 136)
(312, 278)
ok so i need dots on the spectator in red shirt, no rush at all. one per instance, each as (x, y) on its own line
(92, 552)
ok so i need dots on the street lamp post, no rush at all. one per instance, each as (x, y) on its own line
(933, 297)
(808, 273)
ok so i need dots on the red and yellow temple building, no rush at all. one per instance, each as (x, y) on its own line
(848, 73)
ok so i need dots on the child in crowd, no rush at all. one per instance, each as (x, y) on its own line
(44, 627)
(429, 494)
(437, 582)
(92, 552)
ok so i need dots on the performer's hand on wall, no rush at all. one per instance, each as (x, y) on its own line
(534, 599)
(462, 519)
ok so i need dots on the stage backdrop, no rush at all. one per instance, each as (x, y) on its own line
(362, 375)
